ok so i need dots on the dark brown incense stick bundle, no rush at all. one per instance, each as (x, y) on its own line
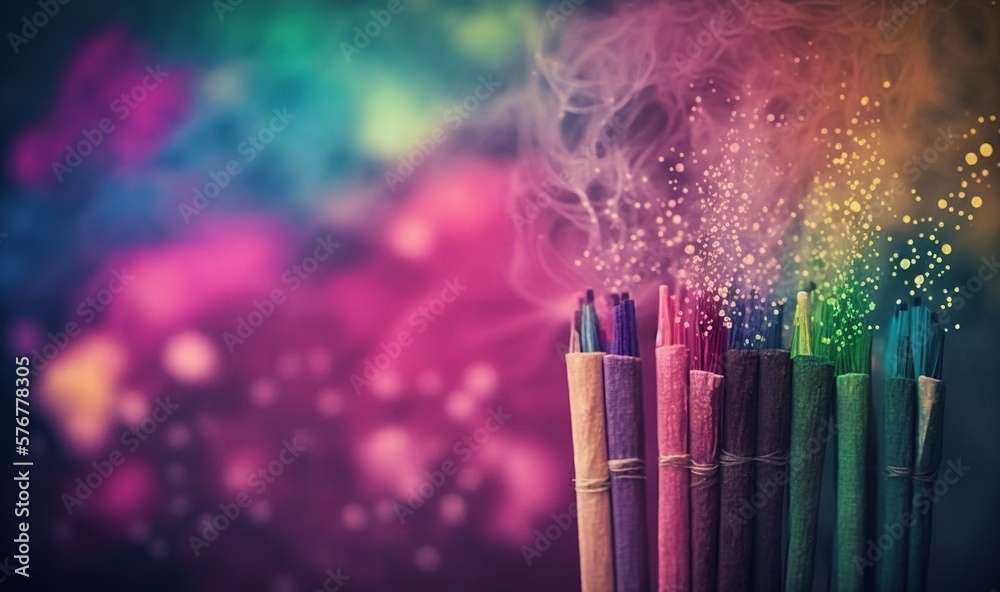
(674, 526)
(705, 339)
(812, 381)
(626, 455)
(585, 370)
(774, 391)
(739, 415)
(927, 341)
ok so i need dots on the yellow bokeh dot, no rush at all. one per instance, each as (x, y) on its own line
(942, 203)
(855, 206)
(946, 249)
(971, 158)
(986, 150)
(977, 201)
(904, 264)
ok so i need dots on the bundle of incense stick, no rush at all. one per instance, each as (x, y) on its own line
(812, 379)
(927, 342)
(853, 413)
(897, 433)
(674, 532)
(736, 456)
(626, 455)
(705, 339)
(774, 391)
(585, 371)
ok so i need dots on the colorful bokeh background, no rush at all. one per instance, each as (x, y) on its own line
(292, 235)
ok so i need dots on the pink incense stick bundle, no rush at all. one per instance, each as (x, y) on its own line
(674, 533)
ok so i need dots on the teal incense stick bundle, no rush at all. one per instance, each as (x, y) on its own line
(774, 392)
(927, 341)
(853, 413)
(585, 371)
(626, 454)
(706, 340)
(673, 521)
(812, 382)
(736, 456)
(897, 433)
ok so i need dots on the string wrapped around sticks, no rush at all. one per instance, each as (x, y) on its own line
(623, 406)
(585, 372)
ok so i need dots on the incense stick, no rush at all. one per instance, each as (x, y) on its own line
(774, 391)
(739, 414)
(626, 455)
(706, 343)
(853, 412)
(585, 371)
(674, 526)
(900, 396)
(927, 339)
(812, 379)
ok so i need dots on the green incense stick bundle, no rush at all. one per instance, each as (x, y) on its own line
(927, 339)
(812, 380)
(853, 412)
(897, 432)
(585, 371)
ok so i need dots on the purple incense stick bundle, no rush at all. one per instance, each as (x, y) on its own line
(626, 455)
(706, 342)
(674, 532)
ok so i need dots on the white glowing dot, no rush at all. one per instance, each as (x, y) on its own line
(427, 558)
(329, 402)
(734, 147)
(904, 264)
(354, 517)
(481, 379)
(679, 167)
(689, 249)
(453, 509)
(190, 358)
(263, 392)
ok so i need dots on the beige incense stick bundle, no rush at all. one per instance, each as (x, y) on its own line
(590, 460)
